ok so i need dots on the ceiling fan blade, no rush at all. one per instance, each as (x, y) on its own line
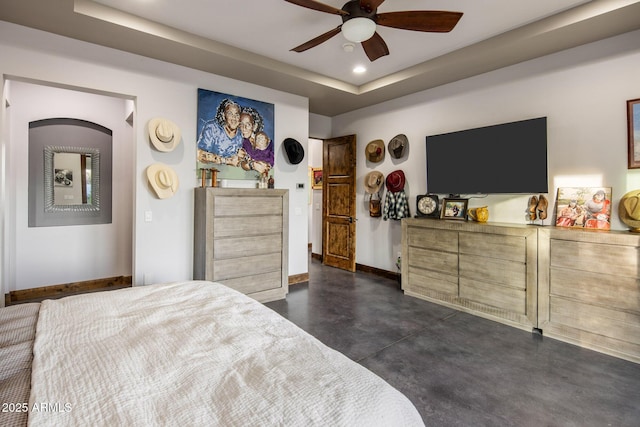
(370, 5)
(316, 41)
(316, 5)
(433, 21)
(375, 47)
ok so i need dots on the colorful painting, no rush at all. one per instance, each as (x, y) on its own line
(584, 207)
(235, 136)
(317, 178)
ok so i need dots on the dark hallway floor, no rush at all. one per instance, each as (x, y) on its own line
(459, 369)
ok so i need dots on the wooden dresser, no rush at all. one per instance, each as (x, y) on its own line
(589, 289)
(487, 269)
(241, 239)
(574, 285)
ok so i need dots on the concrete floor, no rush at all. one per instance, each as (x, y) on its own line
(459, 369)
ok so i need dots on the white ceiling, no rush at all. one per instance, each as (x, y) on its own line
(251, 40)
(272, 27)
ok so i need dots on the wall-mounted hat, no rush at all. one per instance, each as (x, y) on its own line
(373, 182)
(164, 134)
(163, 180)
(294, 150)
(395, 181)
(375, 151)
(398, 145)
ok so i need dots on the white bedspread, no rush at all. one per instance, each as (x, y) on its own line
(195, 353)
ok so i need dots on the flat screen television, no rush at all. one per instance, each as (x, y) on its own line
(509, 158)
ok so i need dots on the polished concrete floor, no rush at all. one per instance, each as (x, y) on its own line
(459, 369)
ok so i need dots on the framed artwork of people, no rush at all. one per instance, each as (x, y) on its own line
(235, 136)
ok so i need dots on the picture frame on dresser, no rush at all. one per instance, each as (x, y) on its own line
(633, 133)
(453, 208)
(584, 207)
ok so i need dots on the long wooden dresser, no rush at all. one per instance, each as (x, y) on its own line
(574, 285)
(241, 239)
(589, 289)
(488, 270)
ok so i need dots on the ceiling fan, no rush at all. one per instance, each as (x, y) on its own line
(360, 17)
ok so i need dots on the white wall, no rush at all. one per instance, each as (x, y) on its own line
(319, 126)
(53, 255)
(582, 91)
(319, 129)
(315, 200)
(163, 248)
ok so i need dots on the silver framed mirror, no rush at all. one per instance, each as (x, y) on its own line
(71, 179)
(70, 162)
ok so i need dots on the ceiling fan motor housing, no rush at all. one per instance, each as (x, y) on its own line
(354, 11)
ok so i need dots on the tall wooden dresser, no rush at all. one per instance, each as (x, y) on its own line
(241, 239)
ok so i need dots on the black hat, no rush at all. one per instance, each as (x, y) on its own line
(294, 150)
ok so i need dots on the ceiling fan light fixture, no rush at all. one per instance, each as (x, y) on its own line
(359, 29)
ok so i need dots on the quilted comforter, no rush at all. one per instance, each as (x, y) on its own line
(195, 353)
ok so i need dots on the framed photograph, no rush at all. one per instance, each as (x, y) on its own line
(633, 130)
(63, 178)
(316, 178)
(454, 209)
(584, 207)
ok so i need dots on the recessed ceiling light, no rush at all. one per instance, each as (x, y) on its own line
(359, 69)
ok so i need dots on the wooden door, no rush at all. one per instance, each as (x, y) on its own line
(339, 202)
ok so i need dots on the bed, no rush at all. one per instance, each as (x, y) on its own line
(189, 353)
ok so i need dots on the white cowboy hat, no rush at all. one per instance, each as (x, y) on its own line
(373, 182)
(163, 180)
(164, 134)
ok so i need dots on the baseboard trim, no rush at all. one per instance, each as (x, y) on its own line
(367, 269)
(377, 271)
(298, 278)
(67, 288)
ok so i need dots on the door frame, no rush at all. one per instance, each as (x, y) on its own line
(349, 262)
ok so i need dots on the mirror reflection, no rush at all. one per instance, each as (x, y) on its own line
(71, 179)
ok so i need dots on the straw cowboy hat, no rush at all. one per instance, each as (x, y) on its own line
(163, 180)
(629, 210)
(164, 134)
(395, 181)
(375, 151)
(373, 182)
(398, 145)
(294, 150)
